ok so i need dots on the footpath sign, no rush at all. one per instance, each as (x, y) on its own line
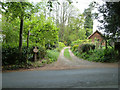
(35, 50)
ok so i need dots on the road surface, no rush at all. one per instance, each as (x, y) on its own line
(78, 78)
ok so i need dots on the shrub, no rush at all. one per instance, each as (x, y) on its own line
(79, 42)
(11, 55)
(100, 55)
(60, 46)
(44, 61)
(41, 53)
(75, 48)
(52, 55)
(85, 48)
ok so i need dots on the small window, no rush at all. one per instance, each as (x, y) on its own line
(97, 39)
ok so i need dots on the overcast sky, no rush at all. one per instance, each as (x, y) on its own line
(83, 4)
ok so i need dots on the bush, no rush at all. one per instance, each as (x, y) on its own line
(11, 55)
(100, 55)
(80, 42)
(85, 48)
(52, 55)
(75, 48)
(41, 53)
(60, 46)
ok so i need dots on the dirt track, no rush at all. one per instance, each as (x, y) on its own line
(75, 63)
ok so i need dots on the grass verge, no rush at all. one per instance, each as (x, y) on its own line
(67, 54)
(52, 55)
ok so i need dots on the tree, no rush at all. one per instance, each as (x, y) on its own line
(42, 31)
(110, 21)
(88, 19)
(111, 18)
(75, 30)
(89, 16)
(21, 10)
(10, 30)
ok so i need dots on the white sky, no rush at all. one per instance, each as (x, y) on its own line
(83, 4)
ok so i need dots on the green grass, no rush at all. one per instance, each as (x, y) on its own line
(52, 55)
(67, 54)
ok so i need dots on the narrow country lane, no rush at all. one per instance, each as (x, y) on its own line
(63, 63)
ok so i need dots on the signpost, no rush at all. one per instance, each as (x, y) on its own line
(35, 50)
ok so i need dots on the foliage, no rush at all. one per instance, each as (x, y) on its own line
(10, 54)
(10, 30)
(86, 48)
(52, 55)
(41, 53)
(21, 10)
(67, 54)
(89, 17)
(75, 48)
(99, 55)
(29, 65)
(79, 42)
(61, 45)
(42, 31)
(17, 9)
(74, 30)
(111, 18)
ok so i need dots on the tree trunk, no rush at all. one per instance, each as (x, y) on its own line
(106, 44)
(27, 46)
(21, 30)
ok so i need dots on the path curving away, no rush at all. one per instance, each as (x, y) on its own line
(76, 63)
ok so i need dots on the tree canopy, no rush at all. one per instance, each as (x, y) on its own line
(111, 18)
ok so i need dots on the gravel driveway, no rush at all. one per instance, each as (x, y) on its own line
(75, 63)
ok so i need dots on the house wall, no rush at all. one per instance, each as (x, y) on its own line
(98, 38)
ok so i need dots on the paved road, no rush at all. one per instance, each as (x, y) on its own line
(77, 78)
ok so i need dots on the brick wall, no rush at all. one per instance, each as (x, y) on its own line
(98, 38)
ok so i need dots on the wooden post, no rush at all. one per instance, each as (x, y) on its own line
(35, 50)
